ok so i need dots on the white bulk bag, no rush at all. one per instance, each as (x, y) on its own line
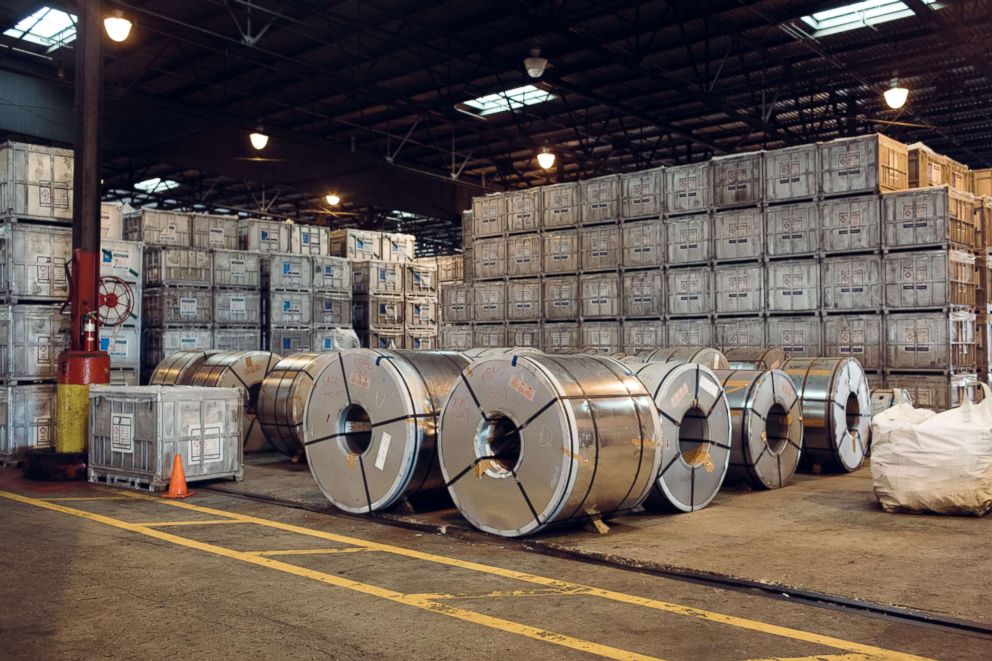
(926, 462)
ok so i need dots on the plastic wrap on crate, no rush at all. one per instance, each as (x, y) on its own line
(234, 307)
(123, 345)
(155, 227)
(488, 335)
(456, 337)
(739, 333)
(210, 232)
(936, 216)
(561, 252)
(287, 271)
(456, 302)
(642, 194)
(237, 269)
(31, 339)
(420, 312)
(927, 167)
(112, 220)
(172, 266)
(27, 419)
(644, 243)
(288, 340)
(377, 311)
(523, 255)
(33, 261)
(489, 257)
(488, 215)
(383, 338)
(929, 279)
(335, 339)
(931, 341)
(398, 247)
(450, 268)
(159, 343)
(792, 173)
(561, 297)
(420, 339)
(601, 337)
(36, 181)
(851, 224)
(792, 229)
(562, 338)
(237, 339)
(524, 335)
(600, 294)
(420, 280)
(523, 300)
(938, 392)
(265, 236)
(490, 301)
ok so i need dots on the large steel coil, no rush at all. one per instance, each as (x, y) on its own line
(370, 425)
(708, 356)
(245, 370)
(767, 358)
(836, 411)
(533, 441)
(695, 429)
(283, 397)
(178, 369)
(767, 422)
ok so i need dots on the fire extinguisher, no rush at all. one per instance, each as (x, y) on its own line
(90, 337)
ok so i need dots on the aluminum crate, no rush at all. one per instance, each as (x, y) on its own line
(490, 301)
(688, 333)
(456, 337)
(159, 228)
(237, 308)
(211, 232)
(112, 220)
(31, 339)
(332, 309)
(931, 341)
(287, 272)
(643, 335)
(560, 205)
(238, 269)
(688, 188)
(237, 339)
(172, 266)
(420, 279)
(851, 224)
(561, 298)
(456, 303)
(523, 210)
(289, 308)
(739, 289)
(266, 236)
(125, 378)
(851, 283)
(33, 261)
(123, 345)
(690, 292)
(643, 294)
(561, 252)
(398, 247)
(599, 248)
(523, 255)
(523, 300)
(309, 240)
(450, 268)
(183, 306)
(600, 199)
(863, 164)
(930, 279)
(793, 286)
(288, 340)
(135, 432)
(420, 339)
(353, 244)
(644, 244)
(854, 336)
(601, 337)
(377, 278)
(689, 239)
(122, 259)
(738, 234)
(792, 229)
(420, 312)
(600, 295)
(797, 336)
(488, 215)
(36, 181)
(936, 392)
(490, 258)
(739, 333)
(562, 338)
(524, 335)
(160, 343)
(488, 336)
(738, 179)
(928, 217)
(642, 194)
(377, 311)
(792, 173)
(335, 339)
(27, 419)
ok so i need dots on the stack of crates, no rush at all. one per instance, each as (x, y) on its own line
(332, 303)
(287, 303)
(420, 306)
(378, 308)
(237, 277)
(124, 260)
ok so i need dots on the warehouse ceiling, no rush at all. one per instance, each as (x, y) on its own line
(374, 99)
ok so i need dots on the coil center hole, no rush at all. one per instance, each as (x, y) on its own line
(357, 429)
(853, 412)
(500, 440)
(777, 428)
(693, 435)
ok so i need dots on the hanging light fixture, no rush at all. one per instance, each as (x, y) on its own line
(896, 96)
(535, 64)
(332, 199)
(118, 28)
(546, 159)
(258, 138)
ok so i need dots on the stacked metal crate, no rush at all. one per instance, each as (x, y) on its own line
(378, 308)
(237, 305)
(420, 306)
(124, 260)
(287, 303)
(332, 301)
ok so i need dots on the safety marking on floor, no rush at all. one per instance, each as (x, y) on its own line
(193, 522)
(351, 549)
(434, 605)
(72, 498)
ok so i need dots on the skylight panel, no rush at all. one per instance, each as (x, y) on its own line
(155, 185)
(858, 15)
(498, 102)
(47, 27)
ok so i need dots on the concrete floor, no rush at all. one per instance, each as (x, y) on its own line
(91, 572)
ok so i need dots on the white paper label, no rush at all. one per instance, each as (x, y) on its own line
(122, 433)
(216, 238)
(168, 233)
(187, 343)
(187, 307)
(380, 457)
(710, 387)
(238, 267)
(42, 433)
(208, 448)
(238, 305)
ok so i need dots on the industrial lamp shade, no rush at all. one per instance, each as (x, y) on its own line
(535, 64)
(118, 28)
(546, 159)
(332, 199)
(896, 96)
(258, 139)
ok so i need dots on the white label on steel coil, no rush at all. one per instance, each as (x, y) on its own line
(380, 457)
(709, 386)
(187, 307)
(216, 238)
(122, 433)
(205, 448)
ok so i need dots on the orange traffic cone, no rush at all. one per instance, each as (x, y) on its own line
(177, 481)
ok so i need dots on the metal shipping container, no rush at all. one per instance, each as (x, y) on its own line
(689, 239)
(602, 337)
(643, 335)
(122, 259)
(928, 217)
(267, 236)
(523, 300)
(600, 199)
(688, 333)
(851, 283)
(238, 308)
(291, 340)
(456, 337)
(184, 306)
(797, 336)
(123, 345)
(237, 269)
(932, 341)
(420, 279)
(561, 298)
(488, 215)
(159, 228)
(27, 419)
(523, 255)
(398, 247)
(854, 336)
(523, 210)
(456, 303)
(936, 392)
(33, 261)
(738, 179)
(170, 266)
(335, 339)
(561, 252)
(160, 343)
(644, 243)
(792, 229)
(562, 338)
(642, 194)
(851, 224)
(687, 188)
(739, 333)
(377, 278)
(237, 339)
(524, 335)
(331, 274)
(792, 173)
(739, 289)
(31, 339)
(793, 286)
(352, 244)
(600, 295)
(214, 232)
(332, 309)
(599, 248)
(490, 258)
(36, 181)
(288, 272)
(863, 164)
(488, 336)
(419, 339)
(490, 301)
(643, 294)
(690, 292)
(560, 205)
(290, 309)
(930, 279)
(309, 240)
(420, 312)
(737, 235)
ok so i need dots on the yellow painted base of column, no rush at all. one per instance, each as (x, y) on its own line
(72, 417)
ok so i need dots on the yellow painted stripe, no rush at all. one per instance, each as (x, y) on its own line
(611, 595)
(196, 522)
(822, 657)
(496, 594)
(416, 601)
(73, 498)
(352, 549)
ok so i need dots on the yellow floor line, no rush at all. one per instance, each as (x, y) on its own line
(353, 549)
(611, 595)
(199, 522)
(496, 594)
(73, 498)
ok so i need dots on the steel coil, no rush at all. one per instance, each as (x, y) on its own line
(283, 397)
(695, 429)
(767, 423)
(178, 369)
(767, 358)
(370, 425)
(533, 441)
(496, 352)
(836, 411)
(708, 356)
(245, 370)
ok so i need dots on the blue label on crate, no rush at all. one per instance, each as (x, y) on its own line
(306, 239)
(328, 344)
(264, 235)
(287, 268)
(108, 256)
(287, 343)
(104, 344)
(287, 306)
(329, 270)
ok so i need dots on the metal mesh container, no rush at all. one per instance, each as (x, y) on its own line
(644, 243)
(287, 340)
(398, 247)
(739, 333)
(332, 309)
(266, 236)
(737, 235)
(490, 258)
(36, 181)
(420, 312)
(854, 336)
(562, 338)
(456, 303)
(134, 433)
(797, 336)
(863, 164)
(159, 343)
(642, 194)
(739, 289)
(159, 228)
(561, 252)
(185, 306)
(738, 179)
(377, 278)
(488, 336)
(931, 341)
(560, 205)
(690, 292)
(689, 239)
(599, 248)
(600, 199)
(851, 224)
(122, 344)
(928, 217)
(420, 279)
(524, 335)
(33, 260)
(792, 229)
(122, 259)
(237, 307)
(31, 339)
(930, 279)
(523, 255)
(936, 392)
(214, 232)
(309, 240)
(289, 308)
(177, 266)
(288, 272)
(237, 339)
(335, 339)
(792, 173)
(602, 337)
(490, 301)
(852, 283)
(523, 210)
(687, 188)
(643, 335)
(237, 269)
(689, 333)
(420, 339)
(643, 294)
(793, 286)
(523, 300)
(561, 298)
(600, 295)
(353, 244)
(27, 419)
(456, 337)
(488, 215)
